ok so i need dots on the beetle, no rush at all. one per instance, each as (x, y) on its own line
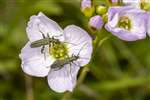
(58, 64)
(45, 41)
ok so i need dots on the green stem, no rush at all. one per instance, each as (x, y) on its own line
(66, 96)
(29, 89)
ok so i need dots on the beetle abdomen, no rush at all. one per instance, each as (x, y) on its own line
(40, 42)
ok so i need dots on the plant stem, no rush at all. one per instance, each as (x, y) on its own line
(29, 90)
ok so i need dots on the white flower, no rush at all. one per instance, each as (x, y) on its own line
(141, 4)
(127, 23)
(35, 63)
(133, 3)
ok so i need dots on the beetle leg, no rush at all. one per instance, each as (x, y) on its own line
(58, 68)
(43, 36)
(76, 64)
(70, 70)
(42, 49)
(48, 35)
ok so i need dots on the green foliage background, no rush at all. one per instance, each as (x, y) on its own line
(118, 71)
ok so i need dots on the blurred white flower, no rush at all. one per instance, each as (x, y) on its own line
(72, 39)
(141, 4)
(127, 23)
(134, 3)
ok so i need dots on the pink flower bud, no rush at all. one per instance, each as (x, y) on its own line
(96, 22)
(86, 4)
(87, 8)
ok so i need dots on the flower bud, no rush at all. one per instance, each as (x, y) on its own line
(101, 9)
(105, 18)
(87, 8)
(96, 23)
(145, 5)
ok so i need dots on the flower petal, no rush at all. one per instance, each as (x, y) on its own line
(113, 10)
(79, 43)
(41, 24)
(34, 62)
(148, 23)
(63, 79)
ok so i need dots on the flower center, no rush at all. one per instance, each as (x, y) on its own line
(124, 22)
(145, 5)
(59, 51)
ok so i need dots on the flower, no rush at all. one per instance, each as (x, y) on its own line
(133, 3)
(96, 22)
(127, 23)
(87, 8)
(141, 4)
(36, 63)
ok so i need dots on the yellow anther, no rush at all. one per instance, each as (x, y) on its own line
(124, 22)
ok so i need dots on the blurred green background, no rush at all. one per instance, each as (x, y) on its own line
(118, 71)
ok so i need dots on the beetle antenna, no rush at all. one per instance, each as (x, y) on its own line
(84, 58)
(70, 70)
(48, 35)
(71, 43)
(75, 64)
(59, 35)
(81, 49)
(41, 31)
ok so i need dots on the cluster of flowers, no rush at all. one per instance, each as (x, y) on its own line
(129, 20)
(58, 54)
(54, 52)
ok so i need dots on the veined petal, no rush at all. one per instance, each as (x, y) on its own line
(32, 29)
(112, 11)
(114, 20)
(51, 26)
(79, 43)
(34, 62)
(41, 24)
(125, 35)
(139, 23)
(63, 79)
